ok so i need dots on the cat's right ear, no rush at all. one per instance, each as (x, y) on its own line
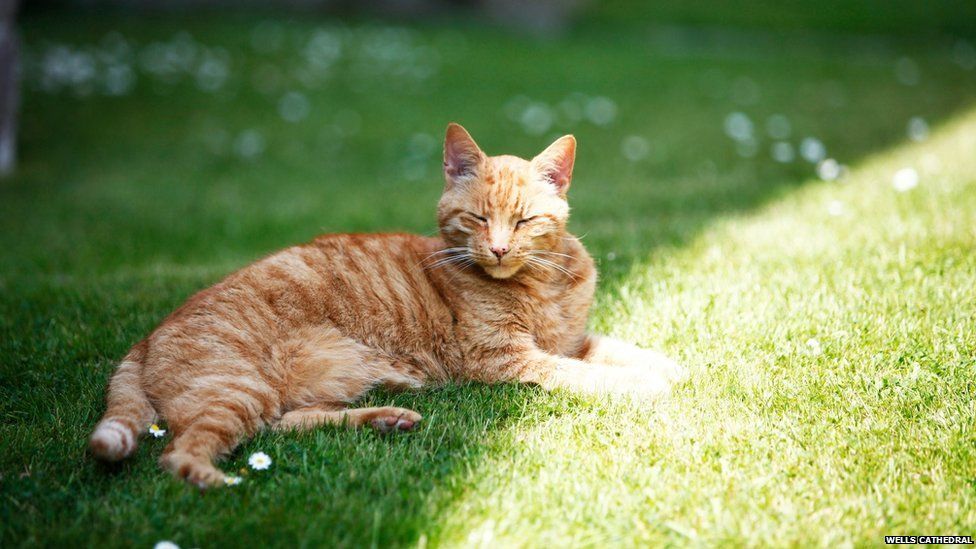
(462, 156)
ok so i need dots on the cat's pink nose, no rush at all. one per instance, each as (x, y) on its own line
(499, 251)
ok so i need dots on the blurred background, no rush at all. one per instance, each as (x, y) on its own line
(210, 131)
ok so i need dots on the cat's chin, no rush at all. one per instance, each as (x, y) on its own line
(501, 272)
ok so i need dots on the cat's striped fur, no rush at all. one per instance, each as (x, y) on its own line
(292, 340)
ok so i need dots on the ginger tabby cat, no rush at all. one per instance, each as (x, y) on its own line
(291, 340)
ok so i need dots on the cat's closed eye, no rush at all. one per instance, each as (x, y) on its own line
(481, 219)
(521, 222)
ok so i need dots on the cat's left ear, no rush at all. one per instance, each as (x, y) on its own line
(555, 164)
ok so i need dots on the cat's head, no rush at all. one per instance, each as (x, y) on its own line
(503, 212)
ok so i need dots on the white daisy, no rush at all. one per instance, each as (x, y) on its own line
(155, 431)
(232, 481)
(905, 179)
(165, 545)
(259, 461)
(813, 345)
(835, 208)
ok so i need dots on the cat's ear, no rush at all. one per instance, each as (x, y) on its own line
(462, 156)
(555, 164)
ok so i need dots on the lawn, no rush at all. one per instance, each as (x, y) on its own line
(826, 309)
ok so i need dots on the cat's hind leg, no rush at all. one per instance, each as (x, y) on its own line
(383, 418)
(209, 421)
(190, 455)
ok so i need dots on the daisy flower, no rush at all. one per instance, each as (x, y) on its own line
(835, 208)
(259, 461)
(165, 544)
(232, 481)
(905, 179)
(155, 431)
(813, 345)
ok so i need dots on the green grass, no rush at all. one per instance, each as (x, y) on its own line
(124, 206)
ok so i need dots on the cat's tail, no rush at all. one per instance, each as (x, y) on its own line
(129, 411)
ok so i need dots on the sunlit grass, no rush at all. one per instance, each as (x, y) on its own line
(829, 326)
(776, 440)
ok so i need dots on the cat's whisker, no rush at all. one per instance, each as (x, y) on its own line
(445, 261)
(460, 268)
(542, 268)
(547, 252)
(552, 264)
(537, 268)
(458, 257)
(448, 250)
(444, 251)
(434, 254)
(540, 254)
(440, 261)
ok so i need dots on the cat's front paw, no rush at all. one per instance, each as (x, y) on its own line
(661, 364)
(634, 381)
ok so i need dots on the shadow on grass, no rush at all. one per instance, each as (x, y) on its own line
(390, 490)
(331, 487)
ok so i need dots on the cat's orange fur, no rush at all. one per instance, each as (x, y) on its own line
(291, 340)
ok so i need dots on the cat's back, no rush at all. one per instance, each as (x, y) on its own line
(342, 277)
(373, 270)
(346, 278)
(371, 286)
(375, 250)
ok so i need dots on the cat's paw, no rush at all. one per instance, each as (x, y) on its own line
(390, 419)
(671, 370)
(634, 381)
(194, 470)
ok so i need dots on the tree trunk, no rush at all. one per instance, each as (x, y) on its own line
(9, 85)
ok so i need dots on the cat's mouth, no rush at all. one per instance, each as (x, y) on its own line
(502, 268)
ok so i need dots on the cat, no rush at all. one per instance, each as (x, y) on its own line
(292, 340)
